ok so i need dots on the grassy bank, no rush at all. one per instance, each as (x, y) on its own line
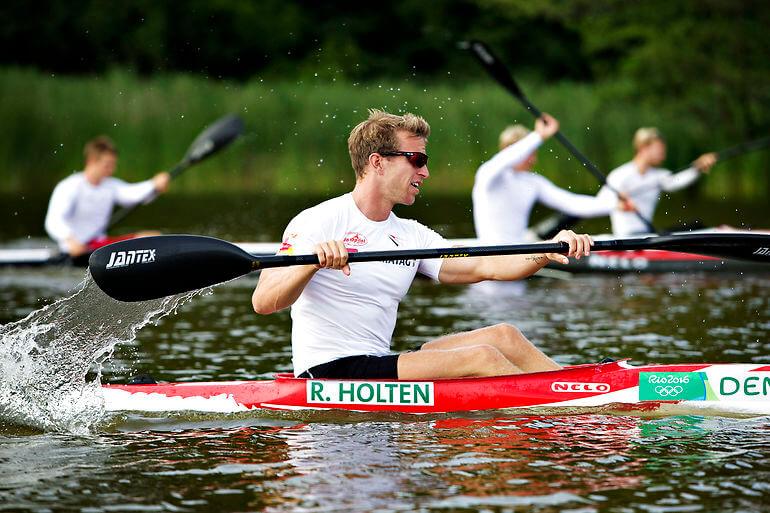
(297, 131)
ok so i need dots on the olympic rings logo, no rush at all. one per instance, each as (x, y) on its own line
(668, 390)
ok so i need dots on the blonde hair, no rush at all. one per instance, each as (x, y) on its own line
(512, 134)
(645, 136)
(378, 133)
(98, 146)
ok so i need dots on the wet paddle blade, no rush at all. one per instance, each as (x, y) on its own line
(214, 138)
(494, 67)
(153, 267)
(211, 140)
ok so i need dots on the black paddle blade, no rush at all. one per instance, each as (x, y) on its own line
(214, 138)
(492, 64)
(154, 267)
(743, 246)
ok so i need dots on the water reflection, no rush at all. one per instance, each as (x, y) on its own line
(528, 463)
(541, 455)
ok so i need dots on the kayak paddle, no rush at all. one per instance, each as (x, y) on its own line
(550, 226)
(211, 140)
(744, 147)
(153, 267)
(727, 153)
(499, 72)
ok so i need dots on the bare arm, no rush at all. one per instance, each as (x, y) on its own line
(130, 194)
(578, 205)
(498, 268)
(511, 267)
(509, 157)
(279, 288)
(685, 178)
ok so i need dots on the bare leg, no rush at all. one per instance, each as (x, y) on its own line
(476, 360)
(491, 351)
(508, 339)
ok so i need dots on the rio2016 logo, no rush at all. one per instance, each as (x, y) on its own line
(672, 386)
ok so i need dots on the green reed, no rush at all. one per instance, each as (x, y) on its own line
(297, 130)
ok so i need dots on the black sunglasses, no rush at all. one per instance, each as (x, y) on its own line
(416, 158)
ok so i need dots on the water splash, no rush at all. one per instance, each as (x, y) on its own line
(45, 357)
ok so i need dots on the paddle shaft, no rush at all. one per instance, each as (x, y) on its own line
(536, 113)
(153, 267)
(122, 213)
(728, 153)
(212, 139)
(699, 244)
(745, 147)
(549, 227)
(739, 149)
(495, 68)
(590, 166)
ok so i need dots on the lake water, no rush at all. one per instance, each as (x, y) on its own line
(63, 455)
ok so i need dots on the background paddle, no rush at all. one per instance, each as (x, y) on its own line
(154, 267)
(744, 147)
(499, 72)
(550, 226)
(728, 153)
(211, 140)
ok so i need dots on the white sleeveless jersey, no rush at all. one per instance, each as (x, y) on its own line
(82, 210)
(503, 198)
(337, 315)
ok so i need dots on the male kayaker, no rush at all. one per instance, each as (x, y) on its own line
(344, 314)
(642, 181)
(81, 205)
(506, 190)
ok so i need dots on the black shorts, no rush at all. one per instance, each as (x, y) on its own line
(356, 367)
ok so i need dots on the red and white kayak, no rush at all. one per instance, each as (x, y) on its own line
(736, 389)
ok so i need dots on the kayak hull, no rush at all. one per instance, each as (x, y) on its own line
(730, 388)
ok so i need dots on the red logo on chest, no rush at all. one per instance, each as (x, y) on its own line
(354, 239)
